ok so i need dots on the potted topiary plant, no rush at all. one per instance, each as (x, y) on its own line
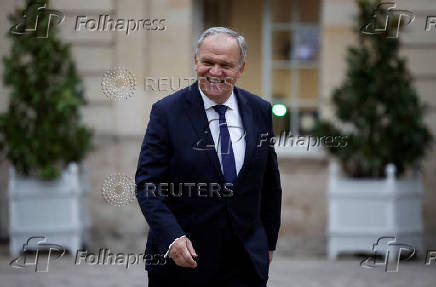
(379, 112)
(41, 133)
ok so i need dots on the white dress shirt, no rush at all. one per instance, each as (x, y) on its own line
(234, 125)
(236, 131)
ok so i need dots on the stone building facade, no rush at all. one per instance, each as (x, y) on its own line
(167, 56)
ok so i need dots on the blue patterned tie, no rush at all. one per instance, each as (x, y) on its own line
(227, 156)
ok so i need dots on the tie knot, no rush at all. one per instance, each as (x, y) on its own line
(220, 109)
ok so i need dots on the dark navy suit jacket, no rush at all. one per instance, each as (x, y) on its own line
(178, 149)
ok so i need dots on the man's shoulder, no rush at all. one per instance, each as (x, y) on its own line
(176, 97)
(254, 100)
(174, 100)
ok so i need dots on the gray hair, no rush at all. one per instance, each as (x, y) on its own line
(223, 30)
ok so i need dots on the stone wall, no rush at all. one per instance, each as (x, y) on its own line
(120, 126)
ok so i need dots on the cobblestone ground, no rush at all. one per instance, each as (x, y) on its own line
(285, 271)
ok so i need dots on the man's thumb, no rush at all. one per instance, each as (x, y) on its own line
(190, 248)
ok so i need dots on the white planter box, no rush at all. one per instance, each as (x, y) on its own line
(50, 209)
(363, 210)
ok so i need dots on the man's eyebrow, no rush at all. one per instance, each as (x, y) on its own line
(222, 62)
(227, 63)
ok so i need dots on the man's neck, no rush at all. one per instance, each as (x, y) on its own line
(217, 101)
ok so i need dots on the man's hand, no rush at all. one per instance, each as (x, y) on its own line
(182, 253)
(270, 256)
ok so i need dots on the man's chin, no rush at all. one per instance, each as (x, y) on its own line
(216, 90)
(217, 97)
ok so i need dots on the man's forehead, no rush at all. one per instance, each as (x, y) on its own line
(220, 43)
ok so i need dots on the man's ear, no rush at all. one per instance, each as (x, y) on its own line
(241, 70)
(195, 62)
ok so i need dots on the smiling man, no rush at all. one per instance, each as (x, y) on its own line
(208, 135)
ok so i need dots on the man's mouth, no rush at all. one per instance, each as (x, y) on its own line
(213, 80)
(214, 84)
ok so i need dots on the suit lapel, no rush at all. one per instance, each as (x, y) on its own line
(250, 128)
(197, 115)
(204, 142)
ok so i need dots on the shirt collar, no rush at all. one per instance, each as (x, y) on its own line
(208, 103)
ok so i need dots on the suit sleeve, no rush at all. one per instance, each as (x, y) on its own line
(152, 169)
(271, 193)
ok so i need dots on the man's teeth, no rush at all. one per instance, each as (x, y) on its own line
(215, 81)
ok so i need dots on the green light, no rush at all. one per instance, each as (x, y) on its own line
(279, 110)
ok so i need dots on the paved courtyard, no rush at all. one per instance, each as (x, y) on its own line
(285, 271)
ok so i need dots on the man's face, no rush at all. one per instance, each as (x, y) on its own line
(217, 66)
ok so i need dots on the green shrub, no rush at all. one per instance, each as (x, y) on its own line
(41, 131)
(377, 106)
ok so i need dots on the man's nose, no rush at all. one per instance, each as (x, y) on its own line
(216, 70)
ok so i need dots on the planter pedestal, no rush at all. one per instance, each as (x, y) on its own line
(363, 210)
(50, 209)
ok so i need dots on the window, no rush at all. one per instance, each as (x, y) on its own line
(216, 13)
(290, 43)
